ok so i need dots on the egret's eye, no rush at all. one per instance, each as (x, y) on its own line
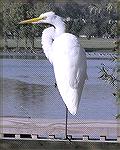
(47, 25)
(44, 18)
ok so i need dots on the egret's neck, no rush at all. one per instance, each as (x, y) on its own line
(49, 36)
(47, 40)
(59, 27)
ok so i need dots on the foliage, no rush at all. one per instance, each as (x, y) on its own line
(107, 75)
(95, 18)
(118, 11)
(114, 76)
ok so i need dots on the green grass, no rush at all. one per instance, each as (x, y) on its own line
(98, 43)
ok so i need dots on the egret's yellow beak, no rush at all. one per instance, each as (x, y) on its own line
(31, 20)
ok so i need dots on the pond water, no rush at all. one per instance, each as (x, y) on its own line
(28, 91)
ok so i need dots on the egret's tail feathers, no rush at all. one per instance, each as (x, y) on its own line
(71, 99)
(73, 112)
(72, 105)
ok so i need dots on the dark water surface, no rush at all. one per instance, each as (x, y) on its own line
(28, 91)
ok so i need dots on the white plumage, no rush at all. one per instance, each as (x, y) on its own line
(68, 59)
(69, 63)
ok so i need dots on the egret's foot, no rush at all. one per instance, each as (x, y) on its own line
(69, 138)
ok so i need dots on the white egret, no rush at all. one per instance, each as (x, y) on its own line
(68, 58)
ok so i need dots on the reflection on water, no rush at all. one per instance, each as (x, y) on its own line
(28, 90)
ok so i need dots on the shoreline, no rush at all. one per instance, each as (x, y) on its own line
(41, 55)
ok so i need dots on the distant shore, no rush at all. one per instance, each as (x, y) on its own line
(90, 45)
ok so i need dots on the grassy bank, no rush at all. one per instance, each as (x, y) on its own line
(92, 44)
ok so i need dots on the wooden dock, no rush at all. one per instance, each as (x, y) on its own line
(48, 134)
(32, 128)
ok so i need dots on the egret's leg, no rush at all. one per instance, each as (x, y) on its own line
(66, 122)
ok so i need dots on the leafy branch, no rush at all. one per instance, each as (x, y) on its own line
(107, 75)
(113, 77)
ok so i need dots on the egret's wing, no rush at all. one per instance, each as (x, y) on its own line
(69, 63)
(77, 66)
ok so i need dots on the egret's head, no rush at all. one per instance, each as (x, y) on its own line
(47, 18)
